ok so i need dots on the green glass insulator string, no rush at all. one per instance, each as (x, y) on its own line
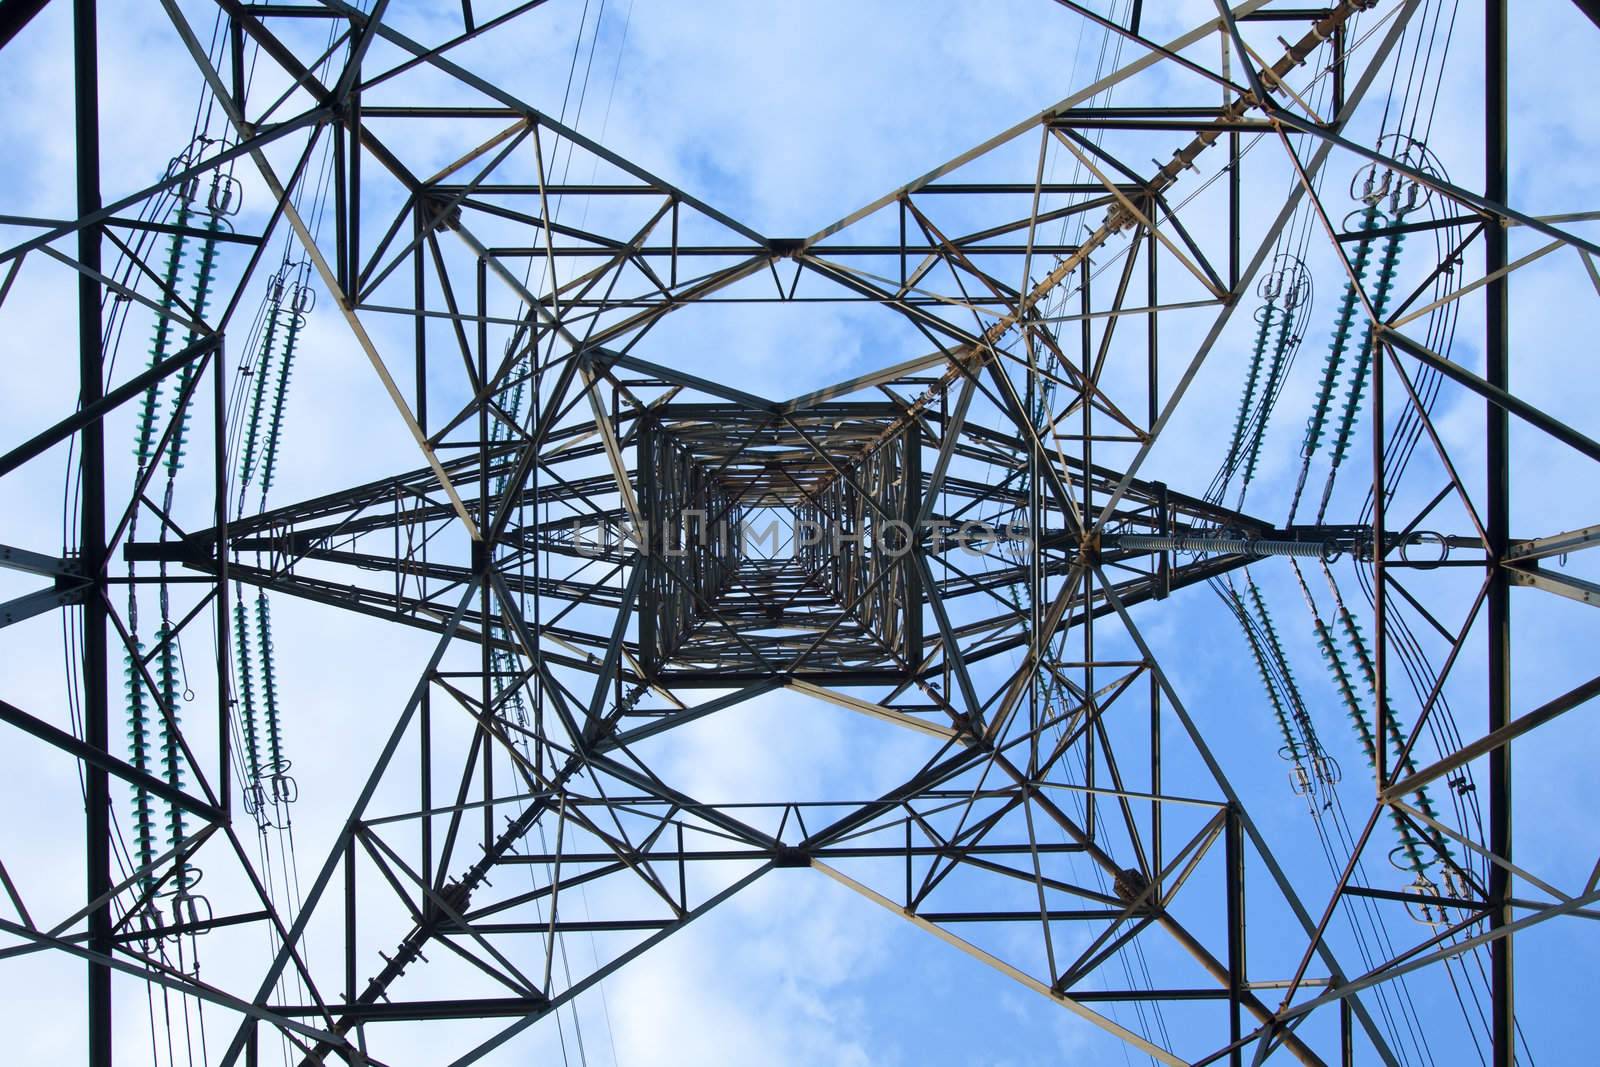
(1358, 719)
(139, 728)
(1282, 346)
(262, 723)
(171, 736)
(171, 278)
(1291, 745)
(144, 820)
(1265, 316)
(1394, 731)
(269, 687)
(258, 389)
(1388, 263)
(247, 696)
(244, 666)
(167, 675)
(1344, 326)
(269, 455)
(1291, 688)
(202, 297)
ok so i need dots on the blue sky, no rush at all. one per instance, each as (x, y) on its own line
(788, 118)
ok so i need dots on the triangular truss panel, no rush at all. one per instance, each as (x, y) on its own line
(634, 475)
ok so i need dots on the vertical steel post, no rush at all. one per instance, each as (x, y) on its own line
(352, 194)
(341, 198)
(1091, 709)
(236, 60)
(1380, 578)
(1155, 784)
(219, 459)
(92, 533)
(1496, 344)
(485, 556)
(1036, 640)
(425, 781)
(1233, 848)
(1152, 300)
(350, 920)
(1234, 209)
(419, 296)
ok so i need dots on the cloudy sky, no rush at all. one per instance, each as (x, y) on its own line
(787, 117)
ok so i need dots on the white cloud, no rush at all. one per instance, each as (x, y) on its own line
(792, 971)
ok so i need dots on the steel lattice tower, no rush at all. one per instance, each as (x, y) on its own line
(968, 541)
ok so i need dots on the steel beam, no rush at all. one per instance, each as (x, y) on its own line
(92, 536)
(1497, 508)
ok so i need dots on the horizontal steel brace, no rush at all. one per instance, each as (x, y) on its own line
(1567, 585)
(20, 559)
(421, 1010)
(30, 604)
(1554, 545)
